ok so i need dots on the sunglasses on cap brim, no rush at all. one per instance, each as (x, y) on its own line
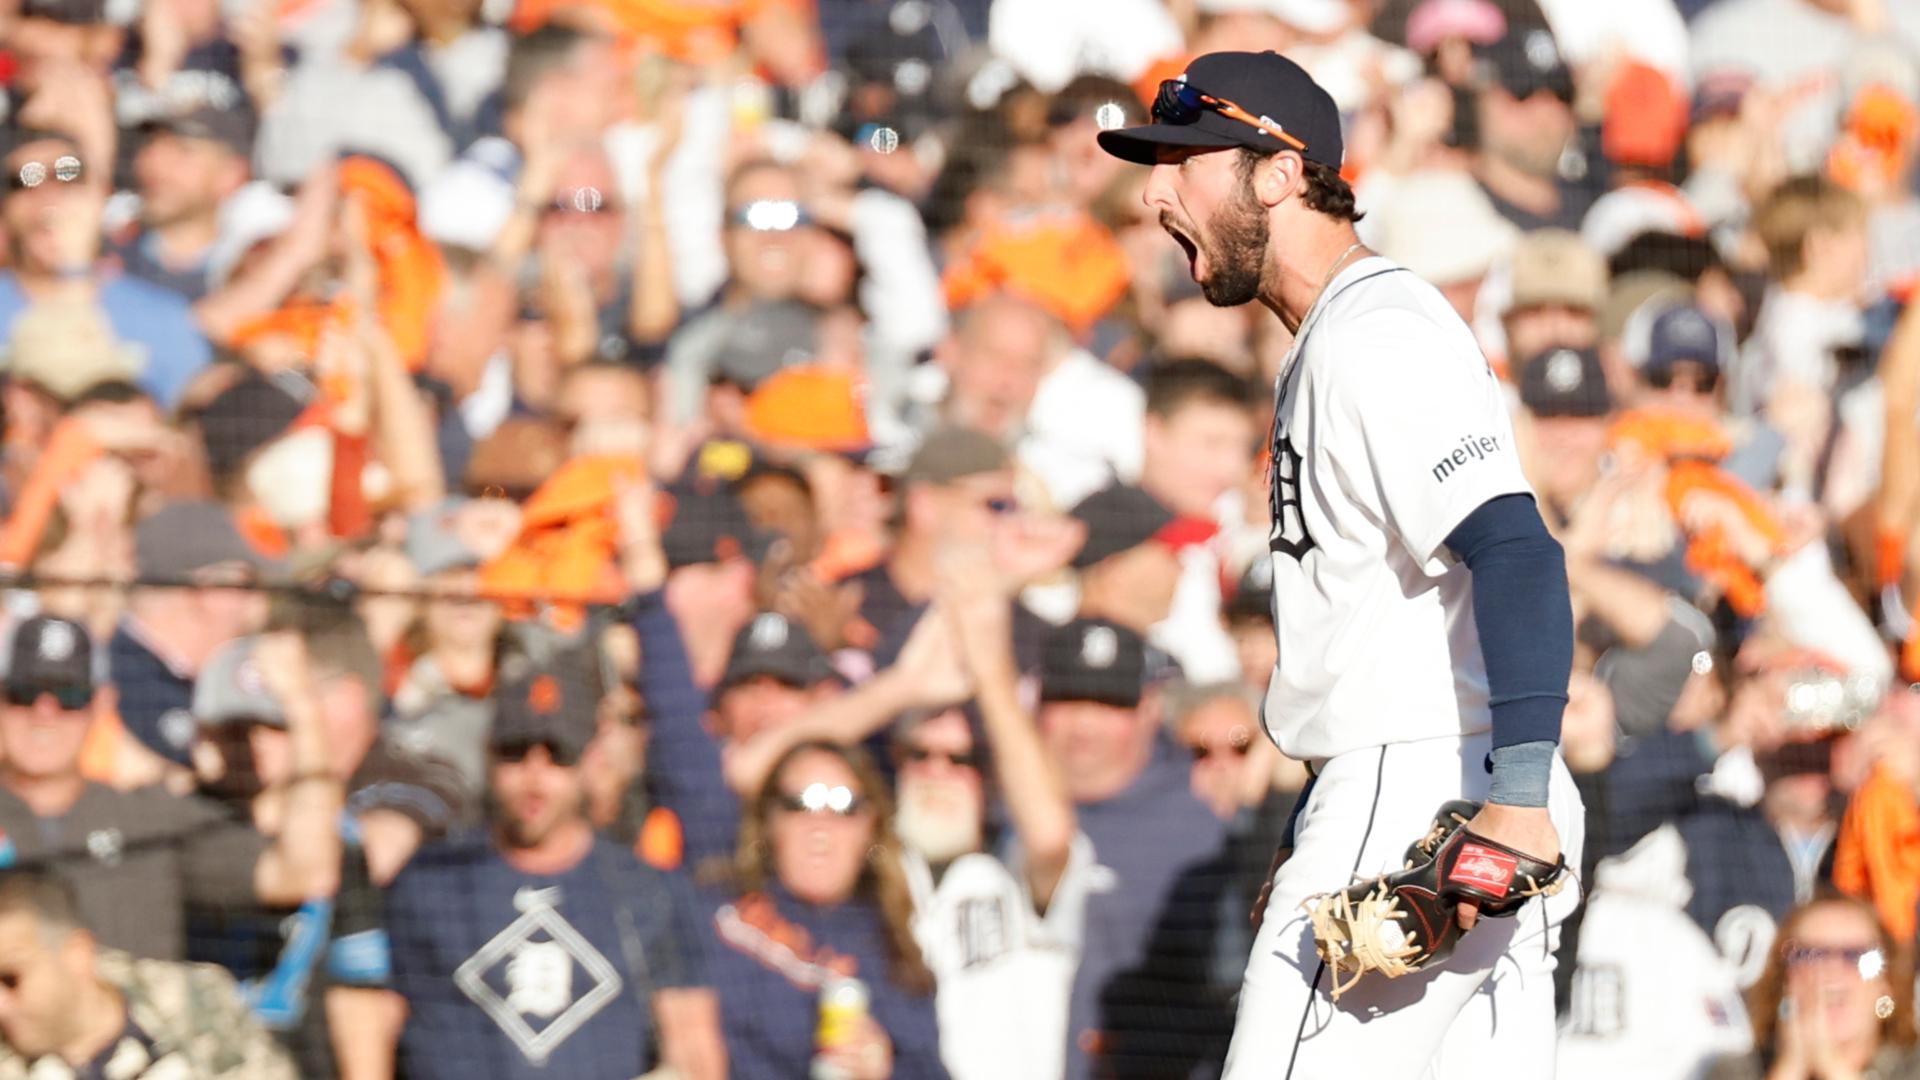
(1181, 103)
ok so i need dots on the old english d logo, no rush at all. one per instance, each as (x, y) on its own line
(1289, 531)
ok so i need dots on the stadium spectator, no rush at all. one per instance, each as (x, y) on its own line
(1834, 998)
(196, 566)
(562, 951)
(52, 213)
(958, 488)
(818, 895)
(72, 1007)
(1526, 122)
(1196, 461)
(289, 965)
(188, 166)
(454, 651)
(137, 859)
(999, 907)
(1142, 998)
(1131, 564)
(1816, 240)
(1558, 285)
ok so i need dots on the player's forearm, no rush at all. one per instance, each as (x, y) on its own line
(1522, 610)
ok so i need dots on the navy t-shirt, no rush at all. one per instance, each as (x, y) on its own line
(156, 701)
(1147, 1000)
(516, 975)
(771, 956)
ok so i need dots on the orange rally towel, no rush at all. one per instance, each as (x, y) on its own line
(1691, 447)
(1877, 852)
(410, 269)
(567, 543)
(69, 451)
(1067, 263)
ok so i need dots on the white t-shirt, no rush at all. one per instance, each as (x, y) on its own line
(1085, 429)
(1193, 632)
(1050, 41)
(1794, 337)
(1004, 971)
(1390, 430)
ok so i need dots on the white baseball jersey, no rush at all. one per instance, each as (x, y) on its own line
(1389, 430)
(1004, 971)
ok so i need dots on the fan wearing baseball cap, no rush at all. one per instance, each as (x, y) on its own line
(137, 859)
(1099, 718)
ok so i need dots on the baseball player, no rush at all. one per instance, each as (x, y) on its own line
(1420, 609)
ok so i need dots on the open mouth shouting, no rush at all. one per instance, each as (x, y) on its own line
(1186, 241)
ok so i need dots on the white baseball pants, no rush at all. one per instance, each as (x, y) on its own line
(1490, 1002)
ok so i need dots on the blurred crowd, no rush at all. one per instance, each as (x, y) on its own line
(718, 538)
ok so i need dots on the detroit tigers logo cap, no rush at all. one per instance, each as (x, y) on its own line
(1262, 101)
(1093, 660)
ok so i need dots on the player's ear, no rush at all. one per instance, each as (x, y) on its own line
(1277, 177)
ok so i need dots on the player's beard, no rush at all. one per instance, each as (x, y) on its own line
(939, 831)
(1238, 256)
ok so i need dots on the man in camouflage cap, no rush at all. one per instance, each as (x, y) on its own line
(70, 1008)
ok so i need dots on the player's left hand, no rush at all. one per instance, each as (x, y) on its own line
(1526, 828)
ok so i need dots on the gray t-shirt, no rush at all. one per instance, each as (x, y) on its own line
(136, 859)
(1647, 682)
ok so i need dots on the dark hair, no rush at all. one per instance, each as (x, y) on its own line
(1683, 256)
(534, 57)
(1327, 191)
(761, 470)
(1088, 93)
(1173, 383)
(13, 136)
(337, 641)
(110, 392)
(46, 897)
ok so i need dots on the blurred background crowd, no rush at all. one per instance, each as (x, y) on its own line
(719, 537)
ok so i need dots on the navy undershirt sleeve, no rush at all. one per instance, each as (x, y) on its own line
(1525, 619)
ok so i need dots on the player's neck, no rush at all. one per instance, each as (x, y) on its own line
(1309, 266)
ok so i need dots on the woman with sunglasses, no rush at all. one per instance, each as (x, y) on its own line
(1834, 1003)
(819, 897)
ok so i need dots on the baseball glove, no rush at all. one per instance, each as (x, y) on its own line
(1402, 922)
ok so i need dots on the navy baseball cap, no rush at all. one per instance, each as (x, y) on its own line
(558, 708)
(1269, 92)
(776, 647)
(1094, 660)
(1562, 382)
(1684, 333)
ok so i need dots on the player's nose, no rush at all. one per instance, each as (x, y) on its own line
(1158, 193)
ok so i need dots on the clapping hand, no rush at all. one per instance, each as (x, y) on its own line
(642, 558)
(1031, 547)
(930, 665)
